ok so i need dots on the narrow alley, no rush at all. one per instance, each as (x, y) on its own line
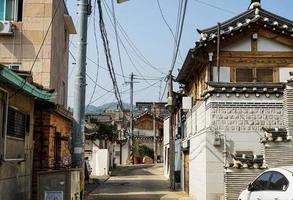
(136, 182)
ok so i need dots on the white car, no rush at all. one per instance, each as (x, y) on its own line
(273, 184)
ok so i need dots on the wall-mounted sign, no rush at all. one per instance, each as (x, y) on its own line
(53, 195)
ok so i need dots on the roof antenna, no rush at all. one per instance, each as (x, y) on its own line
(255, 4)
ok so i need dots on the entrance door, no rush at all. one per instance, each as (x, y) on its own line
(186, 171)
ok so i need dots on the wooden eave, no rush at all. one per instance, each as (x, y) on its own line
(69, 24)
(194, 60)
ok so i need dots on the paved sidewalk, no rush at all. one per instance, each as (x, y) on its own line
(136, 182)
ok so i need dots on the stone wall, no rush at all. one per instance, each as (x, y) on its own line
(245, 116)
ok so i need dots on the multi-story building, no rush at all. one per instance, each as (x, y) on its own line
(34, 40)
(236, 76)
(34, 36)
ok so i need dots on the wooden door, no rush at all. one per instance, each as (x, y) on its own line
(186, 171)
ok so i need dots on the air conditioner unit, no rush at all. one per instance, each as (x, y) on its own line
(6, 28)
(14, 66)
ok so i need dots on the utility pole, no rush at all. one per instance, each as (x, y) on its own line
(155, 135)
(171, 135)
(131, 113)
(84, 10)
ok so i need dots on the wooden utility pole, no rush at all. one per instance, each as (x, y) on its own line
(155, 135)
(171, 135)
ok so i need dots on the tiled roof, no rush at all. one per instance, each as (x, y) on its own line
(146, 113)
(245, 20)
(246, 88)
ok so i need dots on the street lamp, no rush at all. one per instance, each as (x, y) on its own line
(121, 1)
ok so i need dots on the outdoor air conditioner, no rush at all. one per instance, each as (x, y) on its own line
(14, 66)
(6, 28)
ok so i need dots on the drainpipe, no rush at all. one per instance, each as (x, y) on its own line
(218, 50)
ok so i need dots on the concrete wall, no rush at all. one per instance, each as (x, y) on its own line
(124, 159)
(51, 66)
(197, 167)
(15, 177)
(166, 147)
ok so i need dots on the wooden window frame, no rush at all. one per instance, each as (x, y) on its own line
(233, 75)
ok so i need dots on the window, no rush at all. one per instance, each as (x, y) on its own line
(278, 182)
(17, 123)
(244, 75)
(11, 10)
(261, 183)
(264, 75)
(254, 74)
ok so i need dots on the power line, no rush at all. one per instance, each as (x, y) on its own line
(104, 68)
(216, 7)
(138, 53)
(116, 37)
(126, 51)
(169, 28)
(39, 51)
(97, 51)
(108, 56)
(179, 35)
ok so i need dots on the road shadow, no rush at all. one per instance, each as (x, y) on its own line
(132, 170)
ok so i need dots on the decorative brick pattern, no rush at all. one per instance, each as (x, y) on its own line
(238, 116)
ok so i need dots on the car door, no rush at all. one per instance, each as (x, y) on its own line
(277, 188)
(259, 186)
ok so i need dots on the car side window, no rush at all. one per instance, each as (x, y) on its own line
(261, 183)
(278, 182)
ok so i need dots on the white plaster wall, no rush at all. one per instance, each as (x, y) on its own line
(214, 169)
(201, 117)
(244, 141)
(178, 157)
(241, 45)
(264, 44)
(166, 161)
(197, 167)
(101, 162)
(224, 74)
(143, 132)
(284, 75)
(165, 147)
(124, 154)
(166, 132)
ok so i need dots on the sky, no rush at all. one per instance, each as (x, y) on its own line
(145, 29)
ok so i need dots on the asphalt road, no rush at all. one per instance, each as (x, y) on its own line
(136, 182)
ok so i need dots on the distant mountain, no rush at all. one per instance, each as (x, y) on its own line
(104, 107)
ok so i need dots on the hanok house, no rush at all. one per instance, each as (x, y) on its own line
(235, 75)
(148, 130)
(17, 127)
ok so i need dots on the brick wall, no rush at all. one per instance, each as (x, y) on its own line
(49, 128)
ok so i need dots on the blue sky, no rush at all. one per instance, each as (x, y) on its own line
(144, 25)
